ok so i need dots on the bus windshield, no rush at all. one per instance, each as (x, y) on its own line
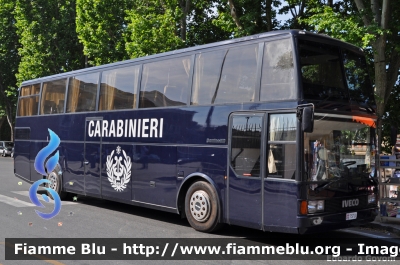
(338, 147)
(321, 71)
(324, 79)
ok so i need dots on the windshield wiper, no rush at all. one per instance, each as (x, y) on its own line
(324, 186)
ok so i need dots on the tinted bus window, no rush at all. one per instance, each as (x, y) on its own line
(207, 71)
(29, 100)
(277, 81)
(118, 88)
(225, 76)
(30, 90)
(357, 77)
(53, 97)
(321, 71)
(246, 145)
(238, 79)
(82, 91)
(165, 83)
(282, 155)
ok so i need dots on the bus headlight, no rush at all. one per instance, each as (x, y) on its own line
(316, 206)
(371, 198)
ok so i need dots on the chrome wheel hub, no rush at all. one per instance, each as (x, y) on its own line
(200, 207)
(53, 179)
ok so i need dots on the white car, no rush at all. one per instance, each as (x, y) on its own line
(6, 148)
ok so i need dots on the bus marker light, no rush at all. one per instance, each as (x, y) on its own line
(247, 174)
(303, 207)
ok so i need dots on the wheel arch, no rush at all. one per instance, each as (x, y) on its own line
(187, 182)
(59, 172)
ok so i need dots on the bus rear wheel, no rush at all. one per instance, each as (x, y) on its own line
(56, 183)
(201, 207)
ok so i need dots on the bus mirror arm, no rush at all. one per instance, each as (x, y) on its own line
(306, 116)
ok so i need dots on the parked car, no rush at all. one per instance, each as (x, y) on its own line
(6, 148)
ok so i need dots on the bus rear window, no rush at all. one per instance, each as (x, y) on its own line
(29, 100)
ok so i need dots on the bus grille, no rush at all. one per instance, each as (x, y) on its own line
(335, 204)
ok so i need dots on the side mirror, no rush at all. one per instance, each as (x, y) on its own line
(307, 119)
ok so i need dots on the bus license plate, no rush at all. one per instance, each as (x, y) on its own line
(351, 216)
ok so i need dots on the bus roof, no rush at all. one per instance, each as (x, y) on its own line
(266, 35)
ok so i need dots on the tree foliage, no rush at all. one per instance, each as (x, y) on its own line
(153, 28)
(9, 60)
(47, 34)
(100, 26)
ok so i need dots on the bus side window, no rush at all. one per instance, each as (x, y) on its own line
(82, 91)
(225, 76)
(207, 71)
(277, 80)
(118, 89)
(29, 100)
(53, 96)
(281, 157)
(165, 83)
(238, 79)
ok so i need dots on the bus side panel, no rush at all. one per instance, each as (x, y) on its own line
(22, 159)
(280, 203)
(73, 167)
(35, 147)
(154, 177)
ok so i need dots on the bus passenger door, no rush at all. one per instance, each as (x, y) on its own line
(244, 194)
(91, 157)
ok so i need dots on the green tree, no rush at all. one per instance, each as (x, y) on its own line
(247, 17)
(9, 60)
(154, 27)
(49, 43)
(373, 25)
(201, 26)
(100, 26)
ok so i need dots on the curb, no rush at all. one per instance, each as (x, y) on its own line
(385, 227)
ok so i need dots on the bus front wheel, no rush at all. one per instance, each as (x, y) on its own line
(56, 183)
(201, 207)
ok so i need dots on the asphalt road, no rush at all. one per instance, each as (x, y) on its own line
(95, 218)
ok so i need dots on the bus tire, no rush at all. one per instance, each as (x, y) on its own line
(56, 183)
(201, 207)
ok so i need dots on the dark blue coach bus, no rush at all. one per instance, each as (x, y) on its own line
(274, 131)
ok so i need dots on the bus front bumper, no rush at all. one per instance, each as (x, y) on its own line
(325, 222)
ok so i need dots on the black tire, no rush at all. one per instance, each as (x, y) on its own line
(56, 183)
(201, 207)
